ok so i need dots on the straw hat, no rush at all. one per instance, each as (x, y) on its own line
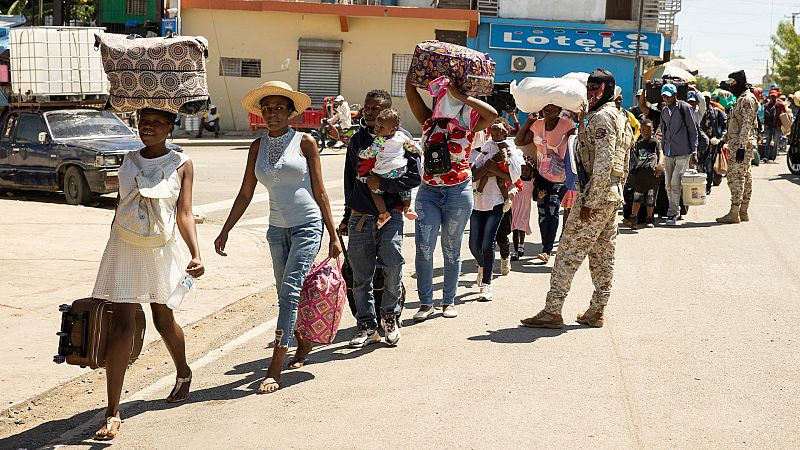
(252, 101)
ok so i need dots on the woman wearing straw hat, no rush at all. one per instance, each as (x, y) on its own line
(288, 164)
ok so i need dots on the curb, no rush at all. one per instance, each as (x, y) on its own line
(213, 142)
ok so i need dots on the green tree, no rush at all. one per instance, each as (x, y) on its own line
(786, 55)
(705, 83)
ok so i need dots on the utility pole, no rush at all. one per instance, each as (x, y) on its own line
(793, 15)
(637, 68)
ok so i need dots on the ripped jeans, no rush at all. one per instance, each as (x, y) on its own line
(447, 208)
(293, 251)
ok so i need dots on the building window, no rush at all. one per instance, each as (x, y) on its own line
(400, 64)
(136, 7)
(239, 67)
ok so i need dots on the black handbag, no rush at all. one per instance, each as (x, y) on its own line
(436, 156)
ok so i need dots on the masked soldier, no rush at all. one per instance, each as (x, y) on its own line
(741, 134)
(603, 150)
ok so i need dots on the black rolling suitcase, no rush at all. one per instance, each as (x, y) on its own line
(84, 333)
(377, 286)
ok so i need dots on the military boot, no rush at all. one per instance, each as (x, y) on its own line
(743, 215)
(543, 320)
(593, 317)
(732, 216)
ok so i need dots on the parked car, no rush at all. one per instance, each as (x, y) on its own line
(74, 150)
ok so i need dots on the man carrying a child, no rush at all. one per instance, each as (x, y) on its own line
(368, 243)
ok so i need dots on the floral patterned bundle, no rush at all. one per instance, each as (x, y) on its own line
(168, 74)
(472, 70)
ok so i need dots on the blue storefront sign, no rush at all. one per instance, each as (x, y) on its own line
(574, 40)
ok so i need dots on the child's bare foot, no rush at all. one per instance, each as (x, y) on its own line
(383, 218)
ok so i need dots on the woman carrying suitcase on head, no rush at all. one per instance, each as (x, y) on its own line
(143, 260)
(288, 164)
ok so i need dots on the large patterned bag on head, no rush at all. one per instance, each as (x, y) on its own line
(322, 300)
(472, 70)
(161, 73)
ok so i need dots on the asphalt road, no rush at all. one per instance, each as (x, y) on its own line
(699, 351)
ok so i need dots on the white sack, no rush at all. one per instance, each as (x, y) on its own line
(534, 93)
(583, 77)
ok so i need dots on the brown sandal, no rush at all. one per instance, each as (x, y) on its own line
(296, 363)
(179, 382)
(543, 257)
(108, 432)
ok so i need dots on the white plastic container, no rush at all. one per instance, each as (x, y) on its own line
(184, 286)
(694, 188)
(56, 62)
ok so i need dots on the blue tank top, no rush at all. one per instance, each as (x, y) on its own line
(288, 181)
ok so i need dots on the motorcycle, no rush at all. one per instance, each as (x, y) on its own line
(328, 137)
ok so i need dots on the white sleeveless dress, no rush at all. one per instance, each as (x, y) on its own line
(133, 274)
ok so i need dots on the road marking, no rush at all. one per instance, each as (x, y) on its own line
(167, 381)
(226, 204)
(262, 197)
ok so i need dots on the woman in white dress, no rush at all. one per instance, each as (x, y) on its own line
(146, 266)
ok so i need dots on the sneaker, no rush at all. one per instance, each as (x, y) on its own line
(449, 311)
(485, 293)
(521, 252)
(507, 205)
(671, 221)
(543, 320)
(479, 278)
(365, 337)
(391, 329)
(514, 256)
(650, 223)
(423, 313)
(505, 266)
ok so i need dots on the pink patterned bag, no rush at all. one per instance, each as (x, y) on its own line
(322, 300)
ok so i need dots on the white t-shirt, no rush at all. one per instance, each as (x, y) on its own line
(343, 115)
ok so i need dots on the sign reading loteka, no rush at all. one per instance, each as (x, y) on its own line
(574, 40)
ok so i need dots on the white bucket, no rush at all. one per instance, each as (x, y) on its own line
(694, 188)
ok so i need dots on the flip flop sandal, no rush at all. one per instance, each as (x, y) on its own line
(268, 382)
(297, 363)
(108, 427)
(179, 382)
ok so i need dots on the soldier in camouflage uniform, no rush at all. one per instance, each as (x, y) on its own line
(741, 139)
(604, 146)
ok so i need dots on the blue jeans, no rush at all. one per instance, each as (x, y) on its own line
(293, 251)
(771, 144)
(364, 249)
(549, 208)
(483, 227)
(450, 206)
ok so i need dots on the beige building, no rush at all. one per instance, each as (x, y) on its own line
(322, 49)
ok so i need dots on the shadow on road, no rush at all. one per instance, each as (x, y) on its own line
(522, 335)
(787, 177)
(100, 202)
(252, 373)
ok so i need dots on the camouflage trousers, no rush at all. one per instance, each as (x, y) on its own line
(740, 180)
(595, 239)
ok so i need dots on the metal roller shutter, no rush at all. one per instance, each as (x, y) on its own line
(320, 68)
